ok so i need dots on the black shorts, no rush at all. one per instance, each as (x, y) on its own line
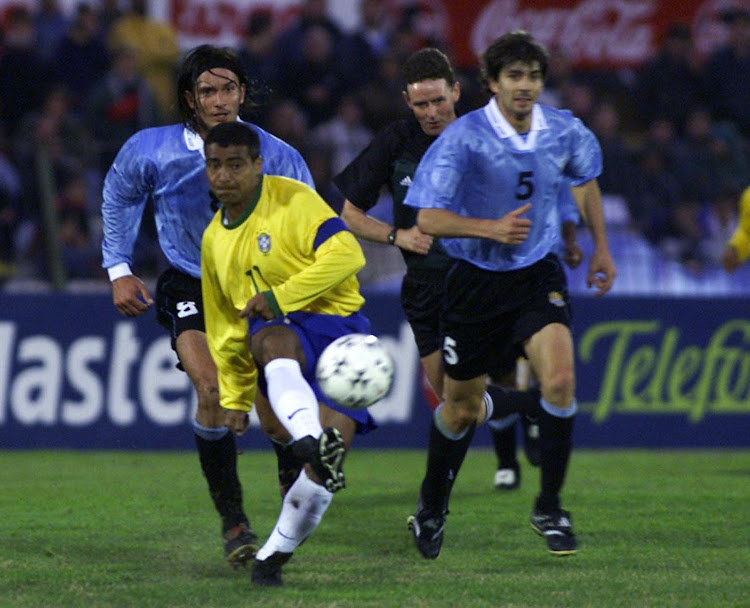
(489, 315)
(179, 303)
(422, 300)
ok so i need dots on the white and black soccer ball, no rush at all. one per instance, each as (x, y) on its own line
(355, 371)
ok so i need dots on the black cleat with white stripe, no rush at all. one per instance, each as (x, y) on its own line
(557, 529)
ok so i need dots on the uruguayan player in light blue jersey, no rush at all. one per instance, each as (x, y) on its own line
(167, 166)
(488, 187)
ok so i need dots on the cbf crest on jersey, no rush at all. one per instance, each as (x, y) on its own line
(264, 242)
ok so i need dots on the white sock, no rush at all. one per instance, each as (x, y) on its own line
(292, 399)
(301, 512)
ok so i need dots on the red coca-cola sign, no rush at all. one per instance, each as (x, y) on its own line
(593, 33)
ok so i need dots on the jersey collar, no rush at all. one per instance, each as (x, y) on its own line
(193, 141)
(246, 213)
(504, 130)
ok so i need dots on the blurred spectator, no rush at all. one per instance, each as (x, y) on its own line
(55, 130)
(318, 157)
(726, 71)
(417, 27)
(316, 79)
(8, 224)
(81, 58)
(683, 242)
(118, 106)
(51, 144)
(257, 46)
(719, 222)
(287, 121)
(697, 166)
(24, 76)
(670, 83)
(369, 42)
(50, 26)
(10, 190)
(731, 149)
(381, 99)
(109, 12)
(157, 48)
(345, 134)
(579, 99)
(656, 193)
(80, 251)
(617, 172)
(289, 46)
(661, 135)
(256, 52)
(558, 79)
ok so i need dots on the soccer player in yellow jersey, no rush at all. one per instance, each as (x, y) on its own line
(279, 266)
(738, 247)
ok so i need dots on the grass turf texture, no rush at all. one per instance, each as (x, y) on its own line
(122, 529)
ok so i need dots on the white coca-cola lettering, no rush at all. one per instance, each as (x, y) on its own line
(592, 31)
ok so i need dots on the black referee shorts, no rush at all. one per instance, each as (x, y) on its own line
(422, 300)
(489, 315)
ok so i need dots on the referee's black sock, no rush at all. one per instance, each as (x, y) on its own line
(510, 401)
(504, 440)
(444, 458)
(555, 444)
(218, 457)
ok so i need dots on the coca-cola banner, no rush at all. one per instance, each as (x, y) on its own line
(593, 33)
(598, 34)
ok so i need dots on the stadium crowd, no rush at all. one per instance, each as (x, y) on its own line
(675, 132)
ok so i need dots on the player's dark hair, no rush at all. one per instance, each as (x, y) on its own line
(234, 133)
(427, 64)
(511, 48)
(202, 59)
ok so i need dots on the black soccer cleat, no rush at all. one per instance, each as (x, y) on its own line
(326, 456)
(427, 528)
(557, 529)
(267, 572)
(241, 545)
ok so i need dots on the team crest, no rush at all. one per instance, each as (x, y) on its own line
(264, 242)
(556, 299)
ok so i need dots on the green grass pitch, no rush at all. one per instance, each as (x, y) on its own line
(136, 529)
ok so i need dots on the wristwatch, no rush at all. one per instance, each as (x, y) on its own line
(392, 236)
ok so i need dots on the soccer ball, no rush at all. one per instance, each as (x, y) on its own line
(355, 371)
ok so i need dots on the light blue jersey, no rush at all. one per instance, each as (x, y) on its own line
(481, 167)
(168, 165)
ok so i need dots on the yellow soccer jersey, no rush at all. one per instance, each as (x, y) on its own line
(290, 245)
(741, 238)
